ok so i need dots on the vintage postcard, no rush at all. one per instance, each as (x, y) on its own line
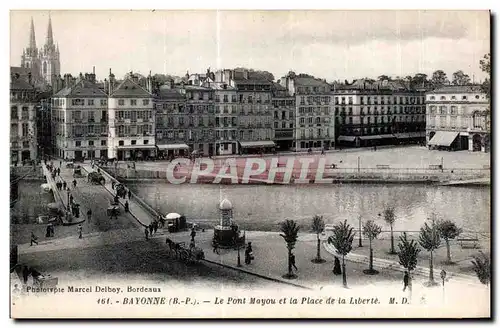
(250, 164)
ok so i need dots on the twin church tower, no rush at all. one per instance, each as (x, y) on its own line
(44, 62)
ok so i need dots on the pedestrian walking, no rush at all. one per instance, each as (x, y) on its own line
(193, 234)
(60, 163)
(112, 185)
(126, 206)
(155, 227)
(70, 198)
(215, 245)
(292, 261)
(146, 232)
(34, 239)
(64, 185)
(74, 183)
(80, 230)
(406, 280)
(150, 229)
(249, 253)
(129, 194)
(89, 215)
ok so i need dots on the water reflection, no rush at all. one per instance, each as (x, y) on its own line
(263, 207)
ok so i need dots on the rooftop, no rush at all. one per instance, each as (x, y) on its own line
(166, 93)
(82, 88)
(129, 88)
(473, 88)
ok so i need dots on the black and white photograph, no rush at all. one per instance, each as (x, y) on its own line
(260, 164)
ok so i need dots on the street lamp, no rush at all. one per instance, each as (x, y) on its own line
(360, 240)
(238, 248)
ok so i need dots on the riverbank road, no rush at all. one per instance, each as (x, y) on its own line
(410, 157)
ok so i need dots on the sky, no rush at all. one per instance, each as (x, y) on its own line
(335, 45)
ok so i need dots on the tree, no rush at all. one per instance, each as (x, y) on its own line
(318, 226)
(430, 240)
(460, 78)
(390, 218)
(448, 230)
(384, 78)
(485, 65)
(482, 267)
(439, 78)
(290, 230)
(371, 230)
(419, 80)
(408, 255)
(341, 239)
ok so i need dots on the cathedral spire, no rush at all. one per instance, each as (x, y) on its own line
(32, 44)
(50, 39)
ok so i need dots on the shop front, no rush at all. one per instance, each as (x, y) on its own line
(257, 147)
(136, 152)
(172, 150)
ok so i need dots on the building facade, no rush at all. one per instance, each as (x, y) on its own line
(79, 115)
(314, 126)
(283, 117)
(458, 118)
(227, 109)
(43, 63)
(171, 115)
(23, 128)
(131, 121)
(251, 112)
(371, 113)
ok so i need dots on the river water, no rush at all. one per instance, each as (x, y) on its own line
(262, 207)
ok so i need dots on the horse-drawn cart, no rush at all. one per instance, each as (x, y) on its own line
(77, 172)
(188, 255)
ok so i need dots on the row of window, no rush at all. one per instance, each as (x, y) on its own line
(323, 89)
(133, 102)
(443, 110)
(454, 97)
(134, 115)
(400, 110)
(90, 143)
(283, 103)
(367, 120)
(80, 102)
(132, 130)
(25, 130)
(388, 100)
(14, 113)
(310, 134)
(284, 125)
(284, 115)
(25, 144)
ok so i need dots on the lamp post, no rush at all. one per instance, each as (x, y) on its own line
(238, 248)
(360, 239)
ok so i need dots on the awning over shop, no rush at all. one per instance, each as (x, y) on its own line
(370, 137)
(253, 144)
(403, 135)
(172, 146)
(443, 138)
(346, 138)
(137, 147)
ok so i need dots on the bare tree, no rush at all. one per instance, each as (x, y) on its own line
(390, 218)
(371, 230)
(342, 238)
(318, 226)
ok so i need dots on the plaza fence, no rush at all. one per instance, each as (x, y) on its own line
(482, 236)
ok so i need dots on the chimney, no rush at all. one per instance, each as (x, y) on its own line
(67, 80)
(111, 82)
(245, 74)
(106, 86)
